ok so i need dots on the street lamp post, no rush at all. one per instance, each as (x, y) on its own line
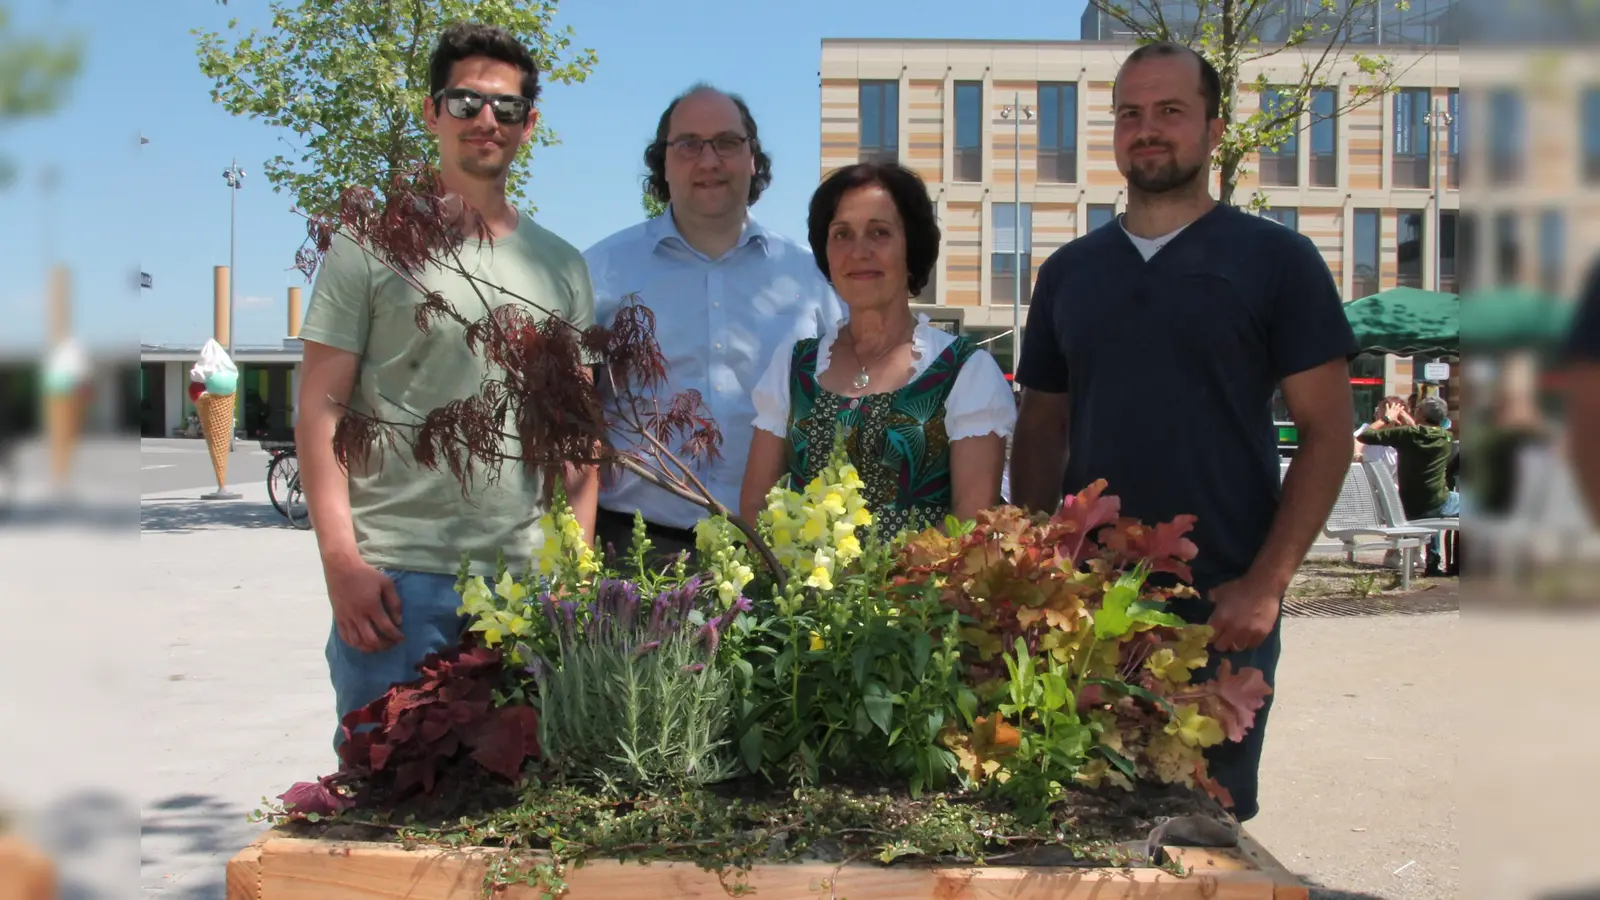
(1016, 112)
(234, 176)
(1438, 120)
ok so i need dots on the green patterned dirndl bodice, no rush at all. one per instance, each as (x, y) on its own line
(896, 440)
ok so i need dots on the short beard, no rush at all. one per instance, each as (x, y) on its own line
(1164, 180)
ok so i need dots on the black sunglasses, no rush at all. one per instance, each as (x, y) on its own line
(465, 103)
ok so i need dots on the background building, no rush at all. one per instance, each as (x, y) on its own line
(1359, 184)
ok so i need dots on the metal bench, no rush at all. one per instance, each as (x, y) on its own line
(1394, 512)
(1356, 516)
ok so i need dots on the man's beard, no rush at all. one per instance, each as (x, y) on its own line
(1167, 177)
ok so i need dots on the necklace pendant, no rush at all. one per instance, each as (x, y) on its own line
(861, 380)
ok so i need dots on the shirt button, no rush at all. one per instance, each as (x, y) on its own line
(719, 345)
(716, 305)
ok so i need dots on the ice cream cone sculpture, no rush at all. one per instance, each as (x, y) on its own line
(65, 399)
(216, 405)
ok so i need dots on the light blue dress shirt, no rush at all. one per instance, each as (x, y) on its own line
(718, 322)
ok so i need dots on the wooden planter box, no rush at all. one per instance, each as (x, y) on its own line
(276, 867)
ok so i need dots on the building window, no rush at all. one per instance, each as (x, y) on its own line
(880, 121)
(1447, 253)
(1100, 214)
(1591, 134)
(1058, 132)
(1365, 252)
(1287, 216)
(1552, 250)
(1003, 259)
(1507, 253)
(1280, 165)
(1506, 139)
(969, 131)
(1324, 139)
(1411, 134)
(1408, 250)
(1455, 137)
(1466, 243)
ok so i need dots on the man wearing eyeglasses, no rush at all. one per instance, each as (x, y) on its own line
(391, 533)
(726, 293)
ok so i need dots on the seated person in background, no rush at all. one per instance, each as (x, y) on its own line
(925, 414)
(1423, 447)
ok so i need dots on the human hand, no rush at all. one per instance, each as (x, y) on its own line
(366, 605)
(1244, 612)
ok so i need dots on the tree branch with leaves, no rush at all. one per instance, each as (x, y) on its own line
(534, 408)
(348, 78)
(1235, 34)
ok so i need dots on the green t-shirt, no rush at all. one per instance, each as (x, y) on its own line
(405, 516)
(1423, 453)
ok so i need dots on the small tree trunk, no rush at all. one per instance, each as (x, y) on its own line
(1228, 177)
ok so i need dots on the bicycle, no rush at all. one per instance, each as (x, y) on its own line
(284, 468)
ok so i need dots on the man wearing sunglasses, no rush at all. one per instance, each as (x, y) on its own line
(390, 533)
(725, 291)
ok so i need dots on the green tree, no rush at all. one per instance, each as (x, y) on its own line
(652, 206)
(35, 77)
(1233, 34)
(348, 77)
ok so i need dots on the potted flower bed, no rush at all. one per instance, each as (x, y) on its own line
(1002, 707)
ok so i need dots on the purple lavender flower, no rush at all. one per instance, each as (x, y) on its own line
(741, 604)
(568, 613)
(711, 634)
(548, 603)
(658, 613)
(693, 668)
(646, 648)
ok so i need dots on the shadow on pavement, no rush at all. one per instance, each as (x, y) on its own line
(83, 515)
(92, 837)
(194, 834)
(1588, 893)
(180, 516)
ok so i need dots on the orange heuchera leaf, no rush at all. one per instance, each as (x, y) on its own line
(994, 738)
(1079, 516)
(1164, 545)
(1231, 698)
(1211, 785)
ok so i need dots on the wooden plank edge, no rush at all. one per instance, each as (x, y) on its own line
(243, 873)
(288, 868)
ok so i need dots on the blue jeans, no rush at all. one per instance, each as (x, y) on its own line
(428, 620)
(1450, 507)
(1237, 766)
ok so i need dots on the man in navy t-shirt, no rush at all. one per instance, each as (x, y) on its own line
(1583, 392)
(1153, 348)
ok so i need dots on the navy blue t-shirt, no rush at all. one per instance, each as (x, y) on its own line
(1170, 367)
(1583, 336)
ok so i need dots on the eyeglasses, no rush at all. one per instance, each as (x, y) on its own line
(724, 145)
(465, 103)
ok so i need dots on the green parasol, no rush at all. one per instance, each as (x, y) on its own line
(1513, 318)
(1406, 321)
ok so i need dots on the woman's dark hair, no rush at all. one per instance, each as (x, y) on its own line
(655, 155)
(468, 39)
(910, 196)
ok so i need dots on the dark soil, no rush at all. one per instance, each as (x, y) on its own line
(831, 821)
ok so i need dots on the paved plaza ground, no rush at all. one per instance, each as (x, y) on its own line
(194, 655)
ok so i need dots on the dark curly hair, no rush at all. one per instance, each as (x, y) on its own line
(655, 155)
(465, 40)
(910, 196)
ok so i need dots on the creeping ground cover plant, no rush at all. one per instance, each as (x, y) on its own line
(805, 688)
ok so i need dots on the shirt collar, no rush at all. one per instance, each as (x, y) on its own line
(663, 229)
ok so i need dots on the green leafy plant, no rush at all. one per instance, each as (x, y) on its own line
(348, 79)
(1082, 676)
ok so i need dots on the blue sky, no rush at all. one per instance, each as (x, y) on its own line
(163, 207)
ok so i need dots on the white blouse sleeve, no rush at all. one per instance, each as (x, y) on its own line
(771, 394)
(981, 401)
